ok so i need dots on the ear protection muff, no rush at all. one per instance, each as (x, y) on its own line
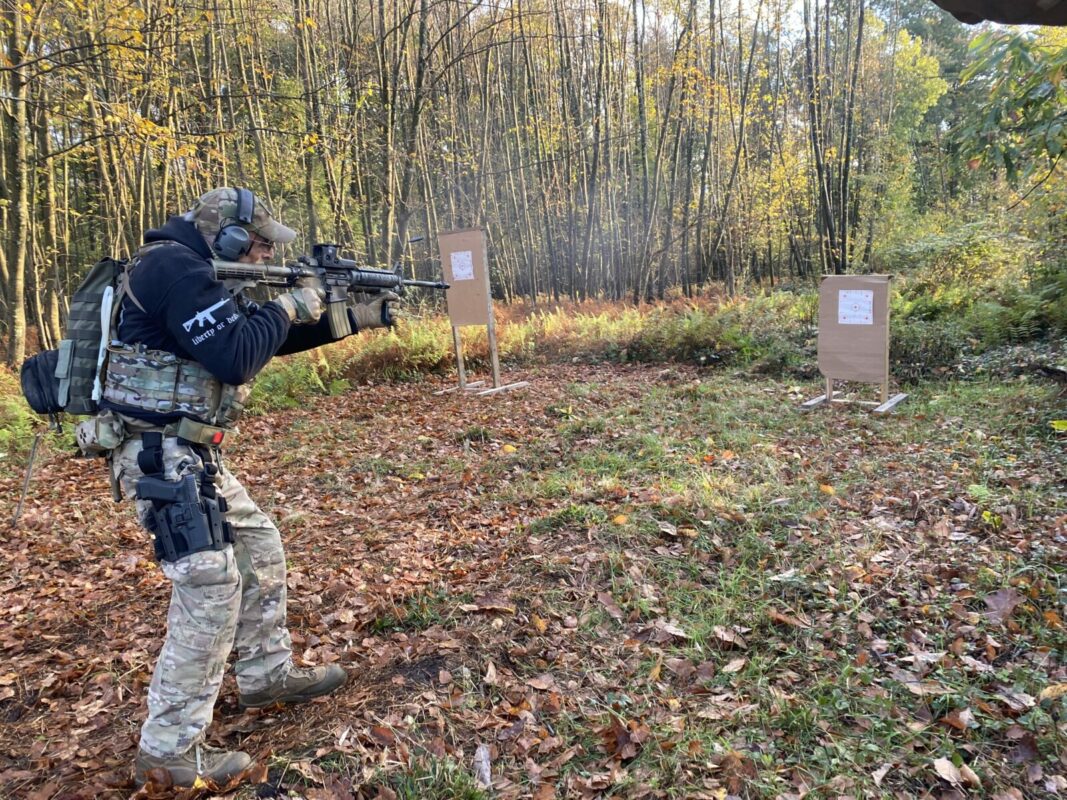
(233, 241)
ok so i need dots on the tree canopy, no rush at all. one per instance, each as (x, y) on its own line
(621, 149)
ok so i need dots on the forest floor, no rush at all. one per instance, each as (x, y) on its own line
(635, 582)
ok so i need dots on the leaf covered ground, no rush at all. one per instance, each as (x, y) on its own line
(620, 582)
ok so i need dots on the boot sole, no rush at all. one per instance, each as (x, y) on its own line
(221, 779)
(292, 700)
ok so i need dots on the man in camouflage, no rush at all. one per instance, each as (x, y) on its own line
(180, 371)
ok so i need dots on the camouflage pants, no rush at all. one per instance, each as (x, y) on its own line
(219, 599)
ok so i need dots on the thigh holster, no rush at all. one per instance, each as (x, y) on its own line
(185, 516)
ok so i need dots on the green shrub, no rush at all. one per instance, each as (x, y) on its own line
(973, 253)
(771, 332)
(412, 349)
(18, 423)
(1050, 286)
(590, 331)
(780, 354)
(920, 348)
(287, 382)
(694, 336)
(1015, 318)
(992, 296)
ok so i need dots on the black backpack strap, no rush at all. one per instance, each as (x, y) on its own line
(124, 288)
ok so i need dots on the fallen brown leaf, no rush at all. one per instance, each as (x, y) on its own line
(613, 609)
(736, 665)
(1002, 604)
(542, 682)
(787, 619)
(960, 719)
(727, 638)
(947, 770)
(1053, 692)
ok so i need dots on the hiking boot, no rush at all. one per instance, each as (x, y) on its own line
(200, 760)
(298, 686)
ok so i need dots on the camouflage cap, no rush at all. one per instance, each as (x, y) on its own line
(219, 206)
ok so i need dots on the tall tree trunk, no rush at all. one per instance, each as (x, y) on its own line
(812, 74)
(51, 330)
(20, 178)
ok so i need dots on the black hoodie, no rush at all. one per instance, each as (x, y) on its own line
(189, 312)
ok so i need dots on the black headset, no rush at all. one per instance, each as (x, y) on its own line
(233, 241)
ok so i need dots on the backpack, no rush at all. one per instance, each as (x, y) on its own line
(69, 378)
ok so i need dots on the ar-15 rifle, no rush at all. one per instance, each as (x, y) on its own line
(339, 276)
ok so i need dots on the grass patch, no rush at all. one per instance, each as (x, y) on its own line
(419, 612)
(435, 779)
(792, 560)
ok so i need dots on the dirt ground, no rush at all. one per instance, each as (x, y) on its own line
(596, 578)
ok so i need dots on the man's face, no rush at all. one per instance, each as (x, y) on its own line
(260, 252)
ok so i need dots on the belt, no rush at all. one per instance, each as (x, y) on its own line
(196, 432)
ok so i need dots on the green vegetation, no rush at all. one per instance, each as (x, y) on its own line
(956, 295)
(744, 599)
(436, 779)
(785, 593)
(960, 297)
(17, 422)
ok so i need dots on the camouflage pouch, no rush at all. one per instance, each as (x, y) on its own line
(100, 435)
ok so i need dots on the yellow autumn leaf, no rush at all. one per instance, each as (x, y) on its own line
(1053, 692)
(621, 519)
(540, 625)
(509, 448)
(826, 488)
(654, 673)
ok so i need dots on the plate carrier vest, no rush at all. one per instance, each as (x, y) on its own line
(163, 382)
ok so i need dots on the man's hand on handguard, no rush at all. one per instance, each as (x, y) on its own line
(379, 312)
(305, 303)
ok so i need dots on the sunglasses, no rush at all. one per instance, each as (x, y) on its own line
(264, 244)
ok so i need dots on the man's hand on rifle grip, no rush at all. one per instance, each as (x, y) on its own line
(379, 312)
(305, 303)
(311, 282)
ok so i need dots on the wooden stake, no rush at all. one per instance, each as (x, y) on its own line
(494, 358)
(506, 388)
(458, 344)
(887, 406)
(29, 474)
